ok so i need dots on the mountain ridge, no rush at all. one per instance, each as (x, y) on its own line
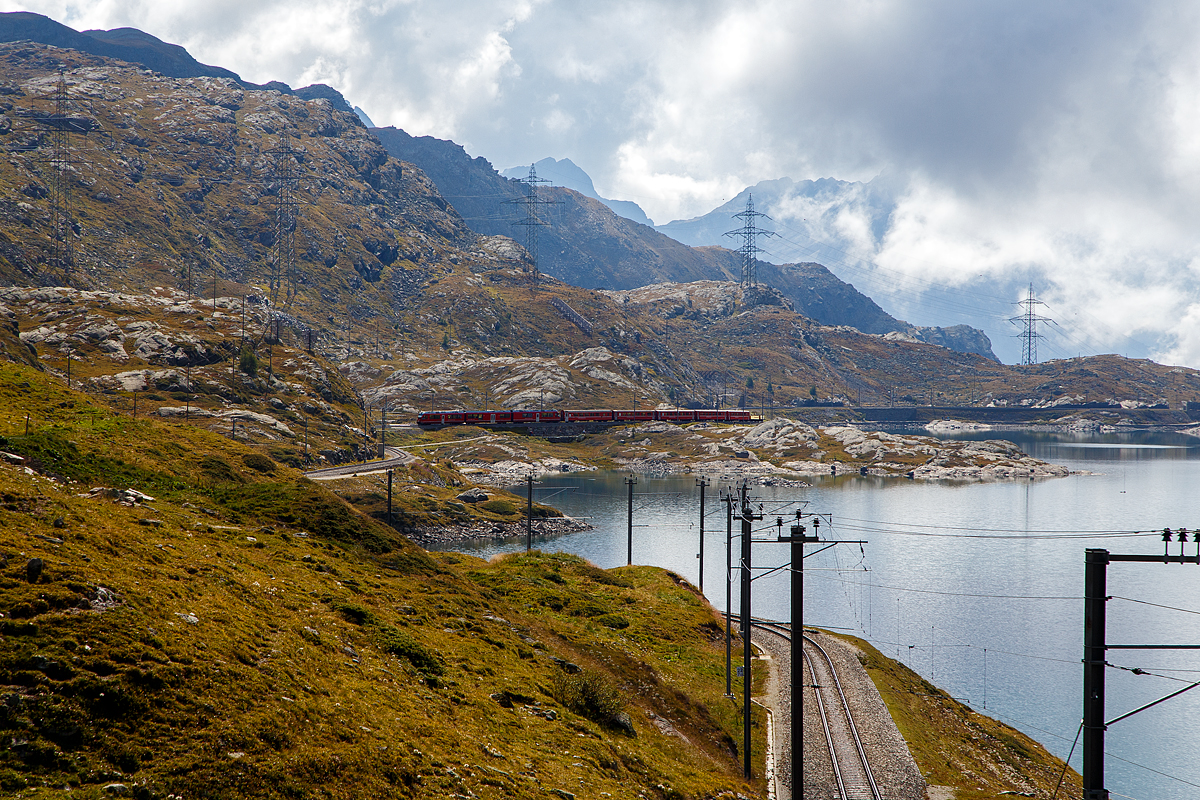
(566, 172)
(139, 47)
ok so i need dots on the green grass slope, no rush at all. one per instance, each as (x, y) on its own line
(979, 757)
(235, 630)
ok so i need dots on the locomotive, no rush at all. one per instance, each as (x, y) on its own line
(532, 417)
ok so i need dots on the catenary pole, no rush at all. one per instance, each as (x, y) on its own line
(701, 482)
(529, 518)
(728, 594)
(630, 482)
(1095, 591)
(747, 770)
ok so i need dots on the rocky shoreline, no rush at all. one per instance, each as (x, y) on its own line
(544, 528)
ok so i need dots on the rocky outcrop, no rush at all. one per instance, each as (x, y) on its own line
(961, 338)
(700, 300)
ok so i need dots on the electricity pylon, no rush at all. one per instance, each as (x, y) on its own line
(282, 181)
(749, 233)
(532, 220)
(1029, 334)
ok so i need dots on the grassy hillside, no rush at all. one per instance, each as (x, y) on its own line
(236, 630)
(955, 746)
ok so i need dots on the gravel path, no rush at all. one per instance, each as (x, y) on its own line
(895, 772)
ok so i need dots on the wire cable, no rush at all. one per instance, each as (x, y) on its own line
(1156, 605)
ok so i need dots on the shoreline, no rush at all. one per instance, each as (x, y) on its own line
(485, 530)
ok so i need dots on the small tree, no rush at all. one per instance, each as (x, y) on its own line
(248, 363)
(750, 383)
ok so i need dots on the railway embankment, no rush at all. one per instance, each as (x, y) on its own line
(919, 740)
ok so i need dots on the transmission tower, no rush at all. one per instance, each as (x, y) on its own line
(55, 129)
(281, 181)
(531, 201)
(749, 233)
(1029, 335)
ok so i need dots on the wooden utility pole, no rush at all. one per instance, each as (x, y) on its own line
(529, 517)
(702, 483)
(630, 482)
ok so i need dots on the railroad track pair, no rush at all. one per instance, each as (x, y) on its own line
(851, 767)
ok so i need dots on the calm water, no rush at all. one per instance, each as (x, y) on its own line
(976, 586)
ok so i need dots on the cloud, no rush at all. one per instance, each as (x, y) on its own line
(1023, 140)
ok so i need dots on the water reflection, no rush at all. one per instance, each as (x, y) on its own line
(976, 585)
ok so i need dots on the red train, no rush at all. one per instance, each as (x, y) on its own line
(528, 417)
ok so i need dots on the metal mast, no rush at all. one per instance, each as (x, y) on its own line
(282, 181)
(532, 221)
(1029, 334)
(56, 127)
(749, 233)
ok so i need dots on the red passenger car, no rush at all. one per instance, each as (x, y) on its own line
(627, 415)
(525, 417)
(675, 415)
(488, 417)
(590, 415)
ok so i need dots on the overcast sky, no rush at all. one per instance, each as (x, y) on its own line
(1058, 141)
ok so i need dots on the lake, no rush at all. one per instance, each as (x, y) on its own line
(977, 586)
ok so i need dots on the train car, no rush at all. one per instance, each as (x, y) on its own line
(627, 415)
(708, 415)
(675, 415)
(487, 417)
(590, 415)
(441, 418)
(526, 417)
(734, 415)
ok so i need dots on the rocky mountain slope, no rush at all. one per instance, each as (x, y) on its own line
(177, 187)
(818, 293)
(179, 183)
(584, 242)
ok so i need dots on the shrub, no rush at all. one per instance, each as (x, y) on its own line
(589, 694)
(614, 621)
(248, 362)
(398, 643)
(501, 507)
(218, 469)
(258, 462)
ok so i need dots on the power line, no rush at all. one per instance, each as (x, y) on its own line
(1156, 605)
(889, 527)
(969, 594)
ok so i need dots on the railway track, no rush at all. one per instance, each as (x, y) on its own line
(851, 768)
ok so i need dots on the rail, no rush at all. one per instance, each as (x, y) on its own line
(848, 758)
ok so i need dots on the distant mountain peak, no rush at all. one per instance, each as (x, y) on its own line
(565, 172)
